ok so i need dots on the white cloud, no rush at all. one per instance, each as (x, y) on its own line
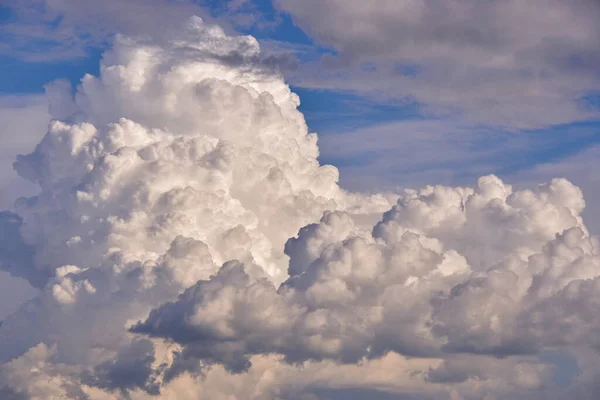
(494, 62)
(400, 289)
(170, 186)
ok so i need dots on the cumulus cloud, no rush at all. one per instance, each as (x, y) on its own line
(495, 62)
(415, 286)
(187, 244)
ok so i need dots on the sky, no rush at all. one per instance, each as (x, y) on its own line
(281, 199)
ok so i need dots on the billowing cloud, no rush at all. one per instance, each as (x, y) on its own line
(187, 244)
(496, 62)
(415, 286)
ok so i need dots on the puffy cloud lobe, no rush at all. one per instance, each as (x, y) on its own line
(170, 186)
(528, 218)
(407, 289)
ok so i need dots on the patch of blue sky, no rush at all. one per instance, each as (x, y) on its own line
(566, 366)
(591, 101)
(418, 151)
(269, 23)
(25, 66)
(19, 76)
(6, 14)
(548, 145)
(22, 72)
(333, 112)
(274, 29)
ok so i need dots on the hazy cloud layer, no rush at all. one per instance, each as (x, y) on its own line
(511, 63)
(188, 245)
(23, 122)
(49, 30)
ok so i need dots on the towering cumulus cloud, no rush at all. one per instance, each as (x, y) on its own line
(188, 245)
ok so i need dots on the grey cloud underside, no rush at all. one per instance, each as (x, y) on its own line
(131, 369)
(188, 245)
(493, 62)
(360, 296)
(16, 257)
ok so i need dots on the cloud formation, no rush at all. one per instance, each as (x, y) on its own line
(187, 244)
(415, 286)
(495, 62)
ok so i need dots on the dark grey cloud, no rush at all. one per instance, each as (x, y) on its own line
(206, 344)
(131, 369)
(17, 257)
(8, 393)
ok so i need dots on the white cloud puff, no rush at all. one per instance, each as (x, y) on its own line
(188, 244)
